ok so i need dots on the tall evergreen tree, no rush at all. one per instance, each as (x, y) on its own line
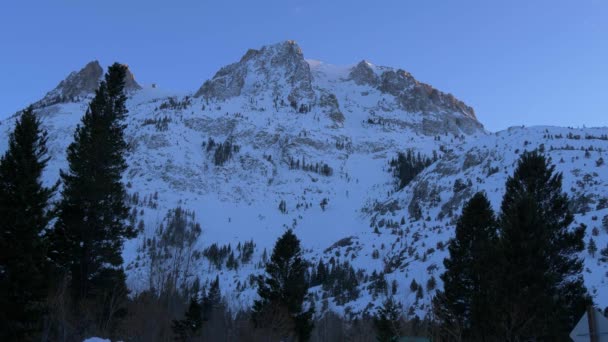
(388, 321)
(465, 305)
(541, 288)
(591, 247)
(24, 216)
(92, 226)
(212, 300)
(214, 294)
(284, 286)
(191, 324)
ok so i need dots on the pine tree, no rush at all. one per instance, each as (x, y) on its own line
(232, 263)
(540, 288)
(431, 284)
(414, 285)
(91, 228)
(284, 286)
(321, 273)
(591, 247)
(188, 327)
(604, 254)
(467, 298)
(419, 293)
(215, 296)
(212, 300)
(24, 216)
(388, 321)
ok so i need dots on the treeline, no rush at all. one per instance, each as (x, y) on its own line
(338, 280)
(284, 309)
(197, 320)
(220, 255)
(161, 124)
(573, 136)
(173, 103)
(320, 168)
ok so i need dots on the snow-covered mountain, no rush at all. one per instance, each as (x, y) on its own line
(276, 140)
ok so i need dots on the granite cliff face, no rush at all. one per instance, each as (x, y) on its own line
(279, 70)
(443, 112)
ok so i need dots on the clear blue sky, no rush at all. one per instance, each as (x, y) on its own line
(516, 62)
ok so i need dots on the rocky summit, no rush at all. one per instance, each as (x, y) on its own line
(81, 84)
(276, 141)
(279, 69)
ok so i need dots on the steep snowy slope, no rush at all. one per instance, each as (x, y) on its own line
(305, 145)
(432, 202)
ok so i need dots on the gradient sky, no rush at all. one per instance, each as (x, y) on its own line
(516, 62)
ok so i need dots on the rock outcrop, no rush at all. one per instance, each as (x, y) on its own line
(414, 96)
(279, 69)
(443, 112)
(363, 74)
(130, 83)
(80, 84)
(76, 85)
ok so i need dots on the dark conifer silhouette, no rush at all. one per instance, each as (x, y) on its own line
(92, 225)
(24, 216)
(191, 325)
(284, 287)
(407, 165)
(466, 304)
(540, 291)
(388, 321)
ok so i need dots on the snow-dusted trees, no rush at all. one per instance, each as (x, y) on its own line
(222, 152)
(171, 252)
(320, 168)
(407, 165)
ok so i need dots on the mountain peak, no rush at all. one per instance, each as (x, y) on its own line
(280, 72)
(279, 69)
(76, 84)
(363, 73)
(80, 84)
(130, 83)
(287, 47)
